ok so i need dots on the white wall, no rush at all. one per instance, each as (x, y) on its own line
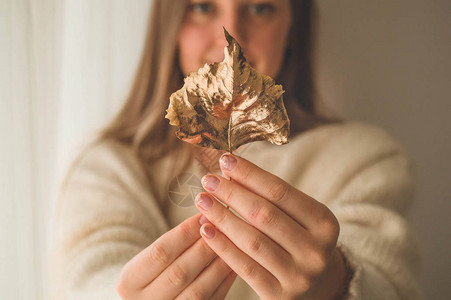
(389, 62)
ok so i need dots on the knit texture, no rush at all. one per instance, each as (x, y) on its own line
(105, 213)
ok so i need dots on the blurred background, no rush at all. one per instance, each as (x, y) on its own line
(66, 66)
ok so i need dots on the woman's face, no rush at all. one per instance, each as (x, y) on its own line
(260, 27)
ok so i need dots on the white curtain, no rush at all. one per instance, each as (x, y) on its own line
(29, 63)
(102, 43)
(65, 68)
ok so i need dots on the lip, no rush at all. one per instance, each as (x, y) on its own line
(212, 61)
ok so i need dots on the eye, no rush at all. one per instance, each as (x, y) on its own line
(201, 7)
(261, 9)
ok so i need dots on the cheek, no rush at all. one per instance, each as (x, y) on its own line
(192, 47)
(268, 45)
(269, 52)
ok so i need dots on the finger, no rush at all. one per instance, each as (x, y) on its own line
(300, 206)
(246, 237)
(178, 275)
(225, 286)
(260, 280)
(150, 262)
(208, 281)
(259, 212)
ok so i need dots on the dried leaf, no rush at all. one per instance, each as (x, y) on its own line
(228, 104)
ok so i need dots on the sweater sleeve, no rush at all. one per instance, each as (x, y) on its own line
(104, 215)
(369, 189)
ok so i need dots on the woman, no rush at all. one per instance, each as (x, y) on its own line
(330, 225)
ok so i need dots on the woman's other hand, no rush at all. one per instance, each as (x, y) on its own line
(287, 248)
(178, 265)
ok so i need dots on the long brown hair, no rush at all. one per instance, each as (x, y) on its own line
(297, 73)
(141, 123)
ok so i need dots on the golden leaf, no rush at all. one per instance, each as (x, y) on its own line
(228, 104)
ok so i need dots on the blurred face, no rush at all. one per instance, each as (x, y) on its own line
(260, 27)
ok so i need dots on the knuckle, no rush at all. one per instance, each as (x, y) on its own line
(300, 282)
(246, 171)
(248, 269)
(157, 253)
(222, 218)
(255, 244)
(177, 276)
(296, 278)
(329, 225)
(228, 195)
(334, 228)
(277, 191)
(265, 215)
(254, 212)
(320, 261)
(306, 281)
(294, 272)
(323, 213)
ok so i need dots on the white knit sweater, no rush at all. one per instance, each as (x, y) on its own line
(105, 213)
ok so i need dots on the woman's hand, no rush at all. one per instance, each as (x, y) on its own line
(287, 247)
(177, 265)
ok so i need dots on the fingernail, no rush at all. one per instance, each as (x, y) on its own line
(227, 162)
(203, 219)
(208, 231)
(210, 183)
(204, 201)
